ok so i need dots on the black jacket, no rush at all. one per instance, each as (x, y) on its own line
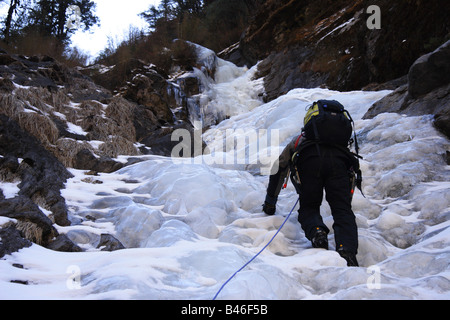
(302, 148)
(283, 164)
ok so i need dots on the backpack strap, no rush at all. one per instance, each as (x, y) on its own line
(354, 131)
(297, 144)
(298, 141)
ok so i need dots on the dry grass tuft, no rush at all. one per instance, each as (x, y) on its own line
(30, 231)
(40, 126)
(90, 107)
(59, 100)
(98, 127)
(66, 149)
(85, 110)
(10, 105)
(121, 111)
(118, 146)
(35, 97)
(33, 108)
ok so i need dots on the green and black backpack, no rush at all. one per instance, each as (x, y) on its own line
(328, 123)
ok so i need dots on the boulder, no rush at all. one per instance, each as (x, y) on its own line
(33, 224)
(11, 241)
(63, 244)
(430, 71)
(109, 243)
(427, 91)
(86, 160)
(29, 225)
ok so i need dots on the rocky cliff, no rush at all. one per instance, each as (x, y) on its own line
(53, 117)
(328, 43)
(307, 44)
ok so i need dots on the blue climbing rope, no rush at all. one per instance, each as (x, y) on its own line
(252, 259)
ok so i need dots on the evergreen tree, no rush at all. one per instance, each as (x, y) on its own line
(212, 23)
(189, 6)
(47, 17)
(164, 13)
(172, 10)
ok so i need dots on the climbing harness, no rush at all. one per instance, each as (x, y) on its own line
(252, 259)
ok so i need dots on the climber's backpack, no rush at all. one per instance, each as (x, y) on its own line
(328, 122)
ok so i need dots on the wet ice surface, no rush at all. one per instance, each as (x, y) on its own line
(189, 225)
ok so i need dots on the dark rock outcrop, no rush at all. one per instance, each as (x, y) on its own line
(327, 43)
(149, 89)
(137, 82)
(35, 224)
(42, 176)
(429, 72)
(85, 160)
(109, 243)
(427, 91)
(46, 72)
(159, 106)
(11, 241)
(30, 225)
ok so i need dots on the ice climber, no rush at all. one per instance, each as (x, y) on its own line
(318, 160)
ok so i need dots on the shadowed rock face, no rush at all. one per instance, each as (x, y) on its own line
(311, 44)
(429, 72)
(427, 90)
(327, 43)
(41, 178)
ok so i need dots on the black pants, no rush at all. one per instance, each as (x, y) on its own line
(328, 171)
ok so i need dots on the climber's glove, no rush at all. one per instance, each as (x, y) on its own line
(270, 205)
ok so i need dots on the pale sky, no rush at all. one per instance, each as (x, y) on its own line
(116, 17)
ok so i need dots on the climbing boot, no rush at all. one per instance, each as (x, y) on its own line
(320, 239)
(349, 257)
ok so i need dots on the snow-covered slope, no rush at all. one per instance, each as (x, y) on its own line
(189, 224)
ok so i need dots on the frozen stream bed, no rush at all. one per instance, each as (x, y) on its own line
(188, 225)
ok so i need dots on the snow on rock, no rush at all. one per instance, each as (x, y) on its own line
(189, 224)
(10, 189)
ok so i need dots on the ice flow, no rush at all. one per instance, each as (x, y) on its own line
(187, 226)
